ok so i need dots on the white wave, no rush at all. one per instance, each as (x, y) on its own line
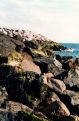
(70, 50)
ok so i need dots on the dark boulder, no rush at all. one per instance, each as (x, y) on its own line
(72, 79)
(55, 110)
(70, 118)
(31, 44)
(49, 64)
(71, 100)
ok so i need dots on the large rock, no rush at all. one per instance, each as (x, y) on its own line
(53, 84)
(23, 87)
(69, 64)
(8, 45)
(15, 111)
(53, 97)
(72, 79)
(50, 97)
(32, 44)
(58, 85)
(28, 65)
(73, 96)
(26, 87)
(55, 110)
(5, 71)
(22, 62)
(14, 107)
(71, 99)
(49, 64)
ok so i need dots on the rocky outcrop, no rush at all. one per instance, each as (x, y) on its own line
(36, 84)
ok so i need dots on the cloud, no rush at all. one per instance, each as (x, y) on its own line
(57, 19)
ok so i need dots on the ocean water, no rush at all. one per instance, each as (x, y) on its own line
(72, 51)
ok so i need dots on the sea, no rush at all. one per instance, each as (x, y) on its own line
(72, 50)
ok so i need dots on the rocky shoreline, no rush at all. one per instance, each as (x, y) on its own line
(36, 84)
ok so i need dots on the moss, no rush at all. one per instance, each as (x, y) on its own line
(30, 117)
(30, 100)
(14, 59)
(15, 56)
(52, 46)
(38, 52)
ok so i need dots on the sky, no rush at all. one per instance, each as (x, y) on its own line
(56, 19)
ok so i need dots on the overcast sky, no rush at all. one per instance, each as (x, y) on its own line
(57, 19)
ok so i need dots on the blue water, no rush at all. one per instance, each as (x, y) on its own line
(73, 47)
